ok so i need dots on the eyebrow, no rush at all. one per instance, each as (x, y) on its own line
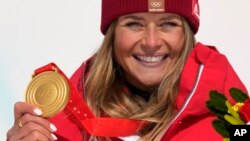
(171, 17)
(139, 18)
(133, 17)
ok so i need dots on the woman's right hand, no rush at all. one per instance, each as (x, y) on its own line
(29, 125)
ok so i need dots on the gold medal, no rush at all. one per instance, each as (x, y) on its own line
(49, 91)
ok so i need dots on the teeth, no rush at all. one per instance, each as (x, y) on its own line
(150, 59)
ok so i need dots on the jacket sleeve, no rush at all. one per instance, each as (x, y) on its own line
(232, 80)
(225, 75)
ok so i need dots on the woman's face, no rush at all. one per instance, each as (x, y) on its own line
(145, 44)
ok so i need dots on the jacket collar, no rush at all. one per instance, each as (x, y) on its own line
(189, 75)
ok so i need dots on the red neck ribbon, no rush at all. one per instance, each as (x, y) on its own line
(97, 126)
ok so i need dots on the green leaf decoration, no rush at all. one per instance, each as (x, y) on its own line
(221, 127)
(238, 95)
(216, 103)
(216, 95)
(219, 105)
(215, 109)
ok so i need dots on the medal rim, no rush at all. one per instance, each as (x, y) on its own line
(60, 105)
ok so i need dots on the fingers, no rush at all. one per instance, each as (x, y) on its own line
(27, 118)
(29, 125)
(36, 135)
(34, 131)
(21, 108)
(33, 136)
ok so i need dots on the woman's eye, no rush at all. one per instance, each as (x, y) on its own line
(134, 25)
(169, 24)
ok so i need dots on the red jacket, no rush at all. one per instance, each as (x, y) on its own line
(205, 69)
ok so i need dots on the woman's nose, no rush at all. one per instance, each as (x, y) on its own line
(151, 40)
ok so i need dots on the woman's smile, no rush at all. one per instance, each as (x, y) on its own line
(150, 60)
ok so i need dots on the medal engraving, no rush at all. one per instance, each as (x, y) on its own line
(49, 91)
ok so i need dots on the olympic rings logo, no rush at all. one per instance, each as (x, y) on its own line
(156, 4)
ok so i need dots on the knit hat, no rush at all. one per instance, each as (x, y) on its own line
(113, 9)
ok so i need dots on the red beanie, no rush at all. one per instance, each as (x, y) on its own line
(112, 9)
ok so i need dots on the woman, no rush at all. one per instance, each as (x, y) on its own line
(149, 68)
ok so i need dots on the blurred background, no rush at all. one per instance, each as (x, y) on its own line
(36, 32)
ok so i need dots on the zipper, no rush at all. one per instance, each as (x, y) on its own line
(187, 101)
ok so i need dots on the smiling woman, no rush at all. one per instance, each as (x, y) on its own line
(149, 80)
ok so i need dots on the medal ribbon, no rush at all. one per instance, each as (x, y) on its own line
(97, 126)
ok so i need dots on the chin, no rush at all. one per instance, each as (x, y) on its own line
(150, 83)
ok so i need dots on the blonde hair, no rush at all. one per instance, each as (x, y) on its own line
(105, 93)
